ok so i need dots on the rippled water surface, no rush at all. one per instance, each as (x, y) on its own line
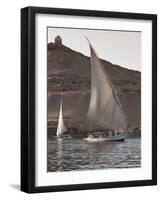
(78, 154)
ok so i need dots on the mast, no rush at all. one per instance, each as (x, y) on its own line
(104, 107)
(61, 126)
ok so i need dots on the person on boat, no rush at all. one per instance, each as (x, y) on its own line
(110, 134)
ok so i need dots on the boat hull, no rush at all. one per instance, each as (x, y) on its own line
(117, 138)
(109, 139)
(96, 139)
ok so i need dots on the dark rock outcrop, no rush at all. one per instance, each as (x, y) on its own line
(69, 78)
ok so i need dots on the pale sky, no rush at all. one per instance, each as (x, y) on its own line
(118, 47)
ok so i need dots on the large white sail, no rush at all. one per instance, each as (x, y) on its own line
(104, 107)
(61, 126)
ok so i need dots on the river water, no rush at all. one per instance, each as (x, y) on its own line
(78, 154)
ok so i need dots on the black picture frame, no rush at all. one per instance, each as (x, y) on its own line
(28, 98)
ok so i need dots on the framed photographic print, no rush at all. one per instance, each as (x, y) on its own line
(88, 99)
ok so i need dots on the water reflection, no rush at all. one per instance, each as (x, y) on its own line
(59, 154)
(78, 154)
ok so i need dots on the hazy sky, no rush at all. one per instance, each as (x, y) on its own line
(119, 47)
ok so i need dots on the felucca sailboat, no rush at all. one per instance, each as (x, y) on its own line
(104, 108)
(61, 128)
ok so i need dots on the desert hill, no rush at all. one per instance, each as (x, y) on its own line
(69, 78)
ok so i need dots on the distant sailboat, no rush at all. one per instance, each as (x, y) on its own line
(104, 108)
(61, 126)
